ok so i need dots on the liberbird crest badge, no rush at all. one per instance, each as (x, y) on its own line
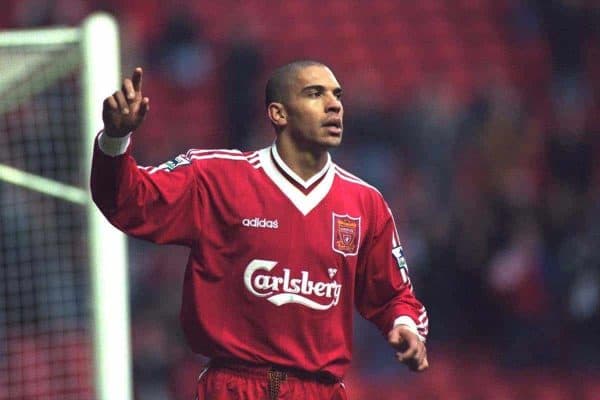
(345, 234)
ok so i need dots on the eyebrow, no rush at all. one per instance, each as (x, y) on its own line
(338, 90)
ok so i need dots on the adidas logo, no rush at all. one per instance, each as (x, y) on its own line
(257, 222)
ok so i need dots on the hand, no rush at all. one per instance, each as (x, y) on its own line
(409, 349)
(125, 110)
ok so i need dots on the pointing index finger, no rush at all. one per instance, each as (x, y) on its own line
(136, 78)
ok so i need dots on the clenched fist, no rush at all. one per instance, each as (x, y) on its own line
(409, 349)
(125, 110)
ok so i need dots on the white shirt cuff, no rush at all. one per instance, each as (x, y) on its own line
(410, 324)
(113, 146)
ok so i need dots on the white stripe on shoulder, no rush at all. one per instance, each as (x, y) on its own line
(195, 154)
(219, 156)
(154, 169)
(213, 151)
(395, 235)
(347, 173)
(342, 173)
(150, 169)
(253, 156)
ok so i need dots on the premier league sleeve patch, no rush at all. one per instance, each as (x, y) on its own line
(174, 163)
(398, 253)
(345, 234)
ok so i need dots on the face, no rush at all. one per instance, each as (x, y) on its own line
(314, 110)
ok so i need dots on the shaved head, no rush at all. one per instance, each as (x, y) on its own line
(278, 84)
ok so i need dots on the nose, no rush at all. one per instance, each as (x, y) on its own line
(333, 104)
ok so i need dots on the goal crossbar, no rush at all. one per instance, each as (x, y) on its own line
(43, 185)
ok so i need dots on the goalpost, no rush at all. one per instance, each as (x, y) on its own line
(64, 313)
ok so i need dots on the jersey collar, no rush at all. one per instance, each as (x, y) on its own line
(291, 184)
(291, 174)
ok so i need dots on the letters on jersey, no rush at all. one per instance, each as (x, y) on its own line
(262, 241)
(283, 288)
(346, 234)
(260, 223)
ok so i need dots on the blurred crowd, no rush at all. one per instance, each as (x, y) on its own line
(477, 119)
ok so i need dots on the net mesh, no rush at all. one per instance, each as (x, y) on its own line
(45, 345)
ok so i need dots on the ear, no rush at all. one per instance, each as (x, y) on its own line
(277, 114)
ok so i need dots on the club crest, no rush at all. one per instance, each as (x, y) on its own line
(345, 234)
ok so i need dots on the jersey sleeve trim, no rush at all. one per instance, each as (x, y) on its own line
(411, 325)
(113, 146)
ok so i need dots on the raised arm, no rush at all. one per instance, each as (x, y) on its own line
(160, 204)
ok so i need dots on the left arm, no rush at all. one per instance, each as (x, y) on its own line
(384, 294)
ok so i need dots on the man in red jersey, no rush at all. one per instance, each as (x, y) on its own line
(283, 243)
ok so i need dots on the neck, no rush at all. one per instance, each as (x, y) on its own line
(304, 162)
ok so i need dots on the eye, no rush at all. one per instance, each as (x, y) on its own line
(314, 94)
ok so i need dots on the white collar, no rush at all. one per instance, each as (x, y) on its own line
(304, 183)
(271, 162)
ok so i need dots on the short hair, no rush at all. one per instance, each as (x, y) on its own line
(278, 84)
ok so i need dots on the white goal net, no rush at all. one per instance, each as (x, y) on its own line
(48, 281)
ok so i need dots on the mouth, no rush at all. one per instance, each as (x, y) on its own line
(334, 126)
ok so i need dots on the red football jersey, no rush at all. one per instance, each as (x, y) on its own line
(276, 263)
